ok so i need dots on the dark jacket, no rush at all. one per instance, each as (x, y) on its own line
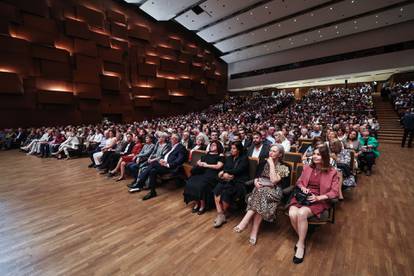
(238, 167)
(131, 145)
(408, 121)
(177, 157)
(263, 155)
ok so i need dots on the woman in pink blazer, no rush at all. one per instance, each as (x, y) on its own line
(321, 182)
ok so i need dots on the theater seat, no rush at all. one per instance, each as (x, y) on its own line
(328, 216)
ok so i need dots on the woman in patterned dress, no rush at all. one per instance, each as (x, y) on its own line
(267, 193)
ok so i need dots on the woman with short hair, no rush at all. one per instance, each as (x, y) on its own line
(262, 203)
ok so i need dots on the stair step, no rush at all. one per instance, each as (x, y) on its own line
(389, 142)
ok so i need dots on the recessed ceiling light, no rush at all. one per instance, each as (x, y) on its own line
(376, 22)
(266, 7)
(377, 16)
(355, 21)
(401, 9)
(356, 27)
(336, 27)
(331, 8)
(291, 43)
(251, 13)
(294, 20)
(337, 32)
(265, 29)
(279, 25)
(290, 39)
(319, 31)
(320, 35)
(237, 18)
(353, 1)
(306, 39)
(312, 14)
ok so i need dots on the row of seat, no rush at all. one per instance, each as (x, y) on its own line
(293, 160)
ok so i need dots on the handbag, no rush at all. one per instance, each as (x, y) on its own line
(301, 197)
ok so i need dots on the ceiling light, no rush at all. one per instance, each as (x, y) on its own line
(319, 31)
(401, 9)
(251, 13)
(265, 29)
(312, 14)
(266, 7)
(336, 27)
(356, 27)
(355, 22)
(377, 16)
(320, 35)
(237, 18)
(279, 25)
(337, 32)
(331, 8)
(353, 1)
(376, 22)
(294, 20)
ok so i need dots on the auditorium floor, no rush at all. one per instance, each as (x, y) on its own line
(59, 217)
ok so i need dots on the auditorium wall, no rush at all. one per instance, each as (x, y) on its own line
(69, 62)
(370, 39)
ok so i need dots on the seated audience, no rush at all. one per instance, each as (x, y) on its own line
(203, 179)
(231, 182)
(71, 143)
(141, 159)
(127, 158)
(369, 152)
(320, 182)
(281, 139)
(110, 143)
(262, 203)
(112, 156)
(169, 163)
(342, 158)
(259, 149)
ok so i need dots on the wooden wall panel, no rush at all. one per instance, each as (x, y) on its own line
(86, 47)
(76, 28)
(54, 97)
(79, 59)
(92, 17)
(10, 83)
(88, 91)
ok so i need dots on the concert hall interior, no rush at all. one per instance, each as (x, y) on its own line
(206, 137)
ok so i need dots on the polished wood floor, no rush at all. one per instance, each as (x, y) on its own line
(61, 218)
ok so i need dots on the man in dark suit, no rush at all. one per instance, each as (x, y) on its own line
(259, 149)
(408, 123)
(245, 139)
(20, 137)
(170, 163)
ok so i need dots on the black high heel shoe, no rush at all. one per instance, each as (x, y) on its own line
(297, 260)
(195, 209)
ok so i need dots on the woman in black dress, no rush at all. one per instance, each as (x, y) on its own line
(203, 179)
(231, 185)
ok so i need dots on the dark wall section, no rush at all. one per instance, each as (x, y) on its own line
(70, 61)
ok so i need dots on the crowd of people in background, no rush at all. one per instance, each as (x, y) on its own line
(402, 98)
(338, 122)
